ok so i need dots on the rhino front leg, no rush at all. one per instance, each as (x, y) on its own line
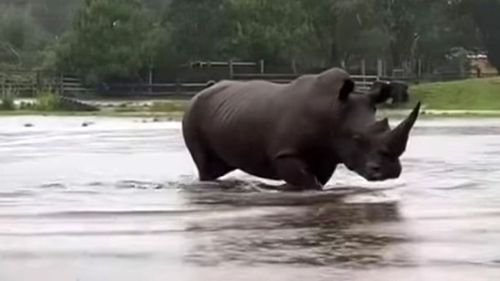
(295, 173)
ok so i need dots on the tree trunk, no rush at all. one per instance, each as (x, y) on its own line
(334, 55)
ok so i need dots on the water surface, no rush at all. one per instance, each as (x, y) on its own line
(117, 199)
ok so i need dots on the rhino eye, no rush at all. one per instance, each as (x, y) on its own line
(386, 154)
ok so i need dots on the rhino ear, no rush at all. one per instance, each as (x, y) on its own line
(346, 90)
(381, 93)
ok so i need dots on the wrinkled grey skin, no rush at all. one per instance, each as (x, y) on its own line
(297, 132)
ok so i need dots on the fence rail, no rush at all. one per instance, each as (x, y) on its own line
(31, 83)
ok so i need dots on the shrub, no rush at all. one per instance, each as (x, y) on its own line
(27, 106)
(7, 103)
(48, 101)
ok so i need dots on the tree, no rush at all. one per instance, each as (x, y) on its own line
(20, 37)
(54, 16)
(109, 39)
(443, 35)
(198, 29)
(358, 32)
(397, 19)
(273, 30)
(486, 14)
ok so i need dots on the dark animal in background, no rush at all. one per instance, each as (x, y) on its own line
(398, 93)
(297, 132)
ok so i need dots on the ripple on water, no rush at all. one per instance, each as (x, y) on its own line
(53, 186)
(132, 184)
(17, 194)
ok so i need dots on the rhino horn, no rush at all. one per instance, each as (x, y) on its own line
(398, 137)
(381, 126)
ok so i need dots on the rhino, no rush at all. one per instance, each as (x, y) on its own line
(298, 132)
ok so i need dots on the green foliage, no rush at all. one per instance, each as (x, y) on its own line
(273, 30)
(20, 36)
(486, 14)
(7, 102)
(102, 39)
(108, 39)
(48, 101)
(198, 29)
(27, 105)
(54, 17)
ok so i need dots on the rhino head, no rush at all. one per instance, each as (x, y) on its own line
(367, 146)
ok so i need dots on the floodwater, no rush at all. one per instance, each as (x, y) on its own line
(118, 200)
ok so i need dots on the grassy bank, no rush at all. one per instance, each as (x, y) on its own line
(471, 95)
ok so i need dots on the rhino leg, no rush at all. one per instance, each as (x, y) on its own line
(324, 172)
(324, 176)
(295, 173)
(210, 166)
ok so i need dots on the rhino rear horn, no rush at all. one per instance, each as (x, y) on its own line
(346, 89)
(397, 139)
(381, 126)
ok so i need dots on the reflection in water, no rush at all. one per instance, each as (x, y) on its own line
(308, 233)
(119, 200)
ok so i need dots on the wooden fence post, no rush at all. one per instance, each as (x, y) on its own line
(3, 81)
(38, 85)
(231, 69)
(61, 84)
(150, 80)
(177, 86)
(380, 69)
(384, 62)
(419, 70)
(363, 71)
(261, 63)
(294, 66)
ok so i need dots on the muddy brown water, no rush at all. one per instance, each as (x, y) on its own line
(118, 200)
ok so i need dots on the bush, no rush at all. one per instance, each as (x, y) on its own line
(27, 106)
(48, 101)
(7, 103)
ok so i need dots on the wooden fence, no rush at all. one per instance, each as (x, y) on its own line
(31, 83)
